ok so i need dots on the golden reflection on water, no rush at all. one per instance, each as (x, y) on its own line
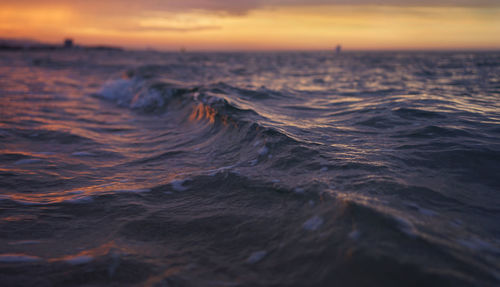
(90, 254)
(19, 217)
(201, 112)
(205, 112)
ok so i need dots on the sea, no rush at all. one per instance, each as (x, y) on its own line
(142, 168)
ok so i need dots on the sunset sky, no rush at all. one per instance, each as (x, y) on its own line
(258, 25)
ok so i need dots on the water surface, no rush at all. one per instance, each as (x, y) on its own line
(249, 169)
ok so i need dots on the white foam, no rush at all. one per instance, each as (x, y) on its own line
(263, 151)
(256, 256)
(254, 162)
(147, 98)
(77, 260)
(28, 161)
(313, 223)
(119, 90)
(18, 258)
(256, 143)
(196, 95)
(177, 185)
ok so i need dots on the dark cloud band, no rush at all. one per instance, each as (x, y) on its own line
(231, 6)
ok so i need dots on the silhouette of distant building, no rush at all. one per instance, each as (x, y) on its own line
(68, 43)
(338, 49)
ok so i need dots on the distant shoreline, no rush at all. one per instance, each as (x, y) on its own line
(58, 48)
(19, 48)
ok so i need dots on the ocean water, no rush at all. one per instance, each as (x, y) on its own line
(249, 169)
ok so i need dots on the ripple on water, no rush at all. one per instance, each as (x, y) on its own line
(18, 258)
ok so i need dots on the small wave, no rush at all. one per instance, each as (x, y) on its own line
(139, 94)
(77, 260)
(433, 131)
(54, 136)
(154, 96)
(213, 111)
(408, 113)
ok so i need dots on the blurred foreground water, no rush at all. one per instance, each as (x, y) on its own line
(249, 169)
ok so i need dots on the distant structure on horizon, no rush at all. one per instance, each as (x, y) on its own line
(338, 49)
(68, 43)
